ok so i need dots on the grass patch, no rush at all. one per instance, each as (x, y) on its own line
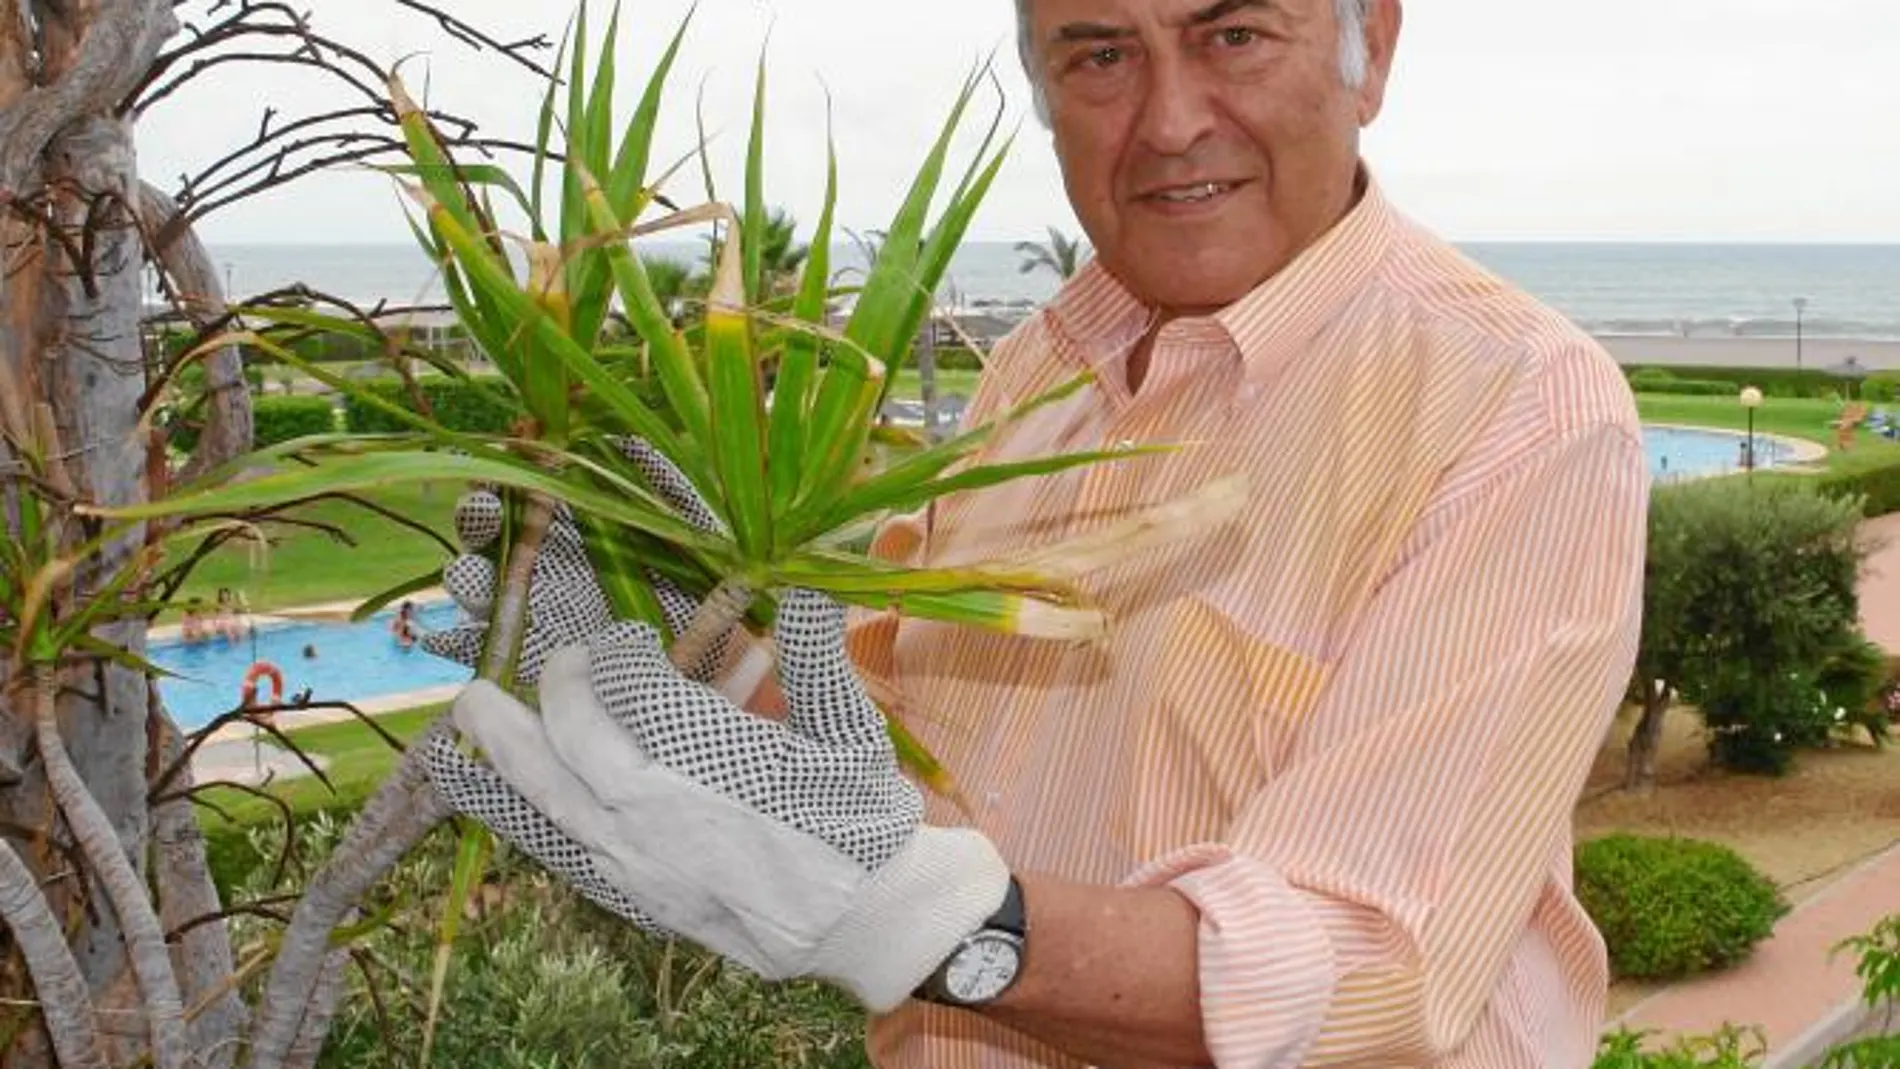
(908, 387)
(357, 761)
(304, 566)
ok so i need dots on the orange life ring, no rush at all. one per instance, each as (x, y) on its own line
(249, 689)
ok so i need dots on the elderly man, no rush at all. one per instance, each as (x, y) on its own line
(1309, 804)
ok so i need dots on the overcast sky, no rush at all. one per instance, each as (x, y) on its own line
(1713, 120)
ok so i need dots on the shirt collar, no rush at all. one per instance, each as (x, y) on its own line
(1104, 321)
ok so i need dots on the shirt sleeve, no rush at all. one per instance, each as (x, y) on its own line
(1362, 907)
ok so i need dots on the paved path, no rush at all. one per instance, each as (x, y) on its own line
(1880, 585)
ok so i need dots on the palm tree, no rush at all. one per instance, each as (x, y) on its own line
(1062, 254)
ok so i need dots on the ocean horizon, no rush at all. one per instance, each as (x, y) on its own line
(1630, 289)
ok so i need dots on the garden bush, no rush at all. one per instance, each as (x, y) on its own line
(1882, 387)
(276, 420)
(540, 977)
(473, 405)
(1658, 380)
(1672, 907)
(1772, 381)
(1875, 484)
(1765, 578)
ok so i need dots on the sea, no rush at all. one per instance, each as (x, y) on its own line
(1609, 289)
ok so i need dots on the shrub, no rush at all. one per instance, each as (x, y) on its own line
(1730, 1047)
(1671, 907)
(1875, 485)
(276, 420)
(1882, 387)
(472, 405)
(1774, 382)
(1766, 593)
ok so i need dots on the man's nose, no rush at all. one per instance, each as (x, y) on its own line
(1178, 110)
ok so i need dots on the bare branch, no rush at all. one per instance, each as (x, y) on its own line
(467, 34)
(191, 279)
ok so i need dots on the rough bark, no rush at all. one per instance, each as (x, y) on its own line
(1646, 741)
(397, 817)
(202, 956)
(94, 65)
(64, 998)
(125, 889)
(199, 293)
(321, 1013)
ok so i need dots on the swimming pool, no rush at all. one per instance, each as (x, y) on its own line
(354, 663)
(1681, 452)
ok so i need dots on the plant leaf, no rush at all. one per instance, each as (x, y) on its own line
(373, 605)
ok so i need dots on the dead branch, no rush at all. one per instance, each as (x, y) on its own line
(191, 279)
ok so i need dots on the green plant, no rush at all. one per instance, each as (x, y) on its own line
(277, 420)
(1878, 966)
(1765, 591)
(476, 405)
(1872, 486)
(1672, 907)
(1729, 1047)
(791, 483)
(1773, 382)
(1882, 387)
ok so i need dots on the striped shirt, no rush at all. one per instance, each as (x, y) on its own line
(1351, 725)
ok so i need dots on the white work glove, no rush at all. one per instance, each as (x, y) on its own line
(796, 849)
(565, 602)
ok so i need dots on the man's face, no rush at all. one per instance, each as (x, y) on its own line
(1204, 144)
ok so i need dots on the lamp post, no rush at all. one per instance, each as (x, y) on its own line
(1800, 307)
(1751, 400)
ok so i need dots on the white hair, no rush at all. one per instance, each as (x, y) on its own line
(1353, 58)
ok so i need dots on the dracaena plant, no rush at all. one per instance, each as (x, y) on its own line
(786, 472)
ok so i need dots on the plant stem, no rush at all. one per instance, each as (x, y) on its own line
(397, 817)
(64, 997)
(508, 624)
(717, 616)
(144, 939)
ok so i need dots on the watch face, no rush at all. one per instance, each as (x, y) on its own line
(983, 968)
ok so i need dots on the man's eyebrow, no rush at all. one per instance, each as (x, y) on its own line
(1098, 31)
(1224, 8)
(1089, 31)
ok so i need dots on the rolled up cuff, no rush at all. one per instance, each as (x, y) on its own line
(1266, 963)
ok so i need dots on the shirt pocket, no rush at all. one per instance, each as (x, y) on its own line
(1221, 705)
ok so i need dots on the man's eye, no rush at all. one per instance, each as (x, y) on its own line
(1106, 56)
(1238, 37)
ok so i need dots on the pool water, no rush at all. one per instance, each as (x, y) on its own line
(1676, 452)
(354, 663)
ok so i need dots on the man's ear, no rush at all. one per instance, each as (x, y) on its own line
(1384, 19)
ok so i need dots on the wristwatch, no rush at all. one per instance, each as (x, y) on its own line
(987, 962)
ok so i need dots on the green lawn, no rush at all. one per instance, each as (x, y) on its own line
(948, 382)
(303, 566)
(359, 760)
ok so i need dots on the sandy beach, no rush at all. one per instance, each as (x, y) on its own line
(1816, 353)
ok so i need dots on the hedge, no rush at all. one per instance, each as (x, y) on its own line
(1879, 482)
(470, 405)
(275, 420)
(1772, 381)
(1674, 907)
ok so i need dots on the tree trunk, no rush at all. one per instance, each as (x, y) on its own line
(1646, 740)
